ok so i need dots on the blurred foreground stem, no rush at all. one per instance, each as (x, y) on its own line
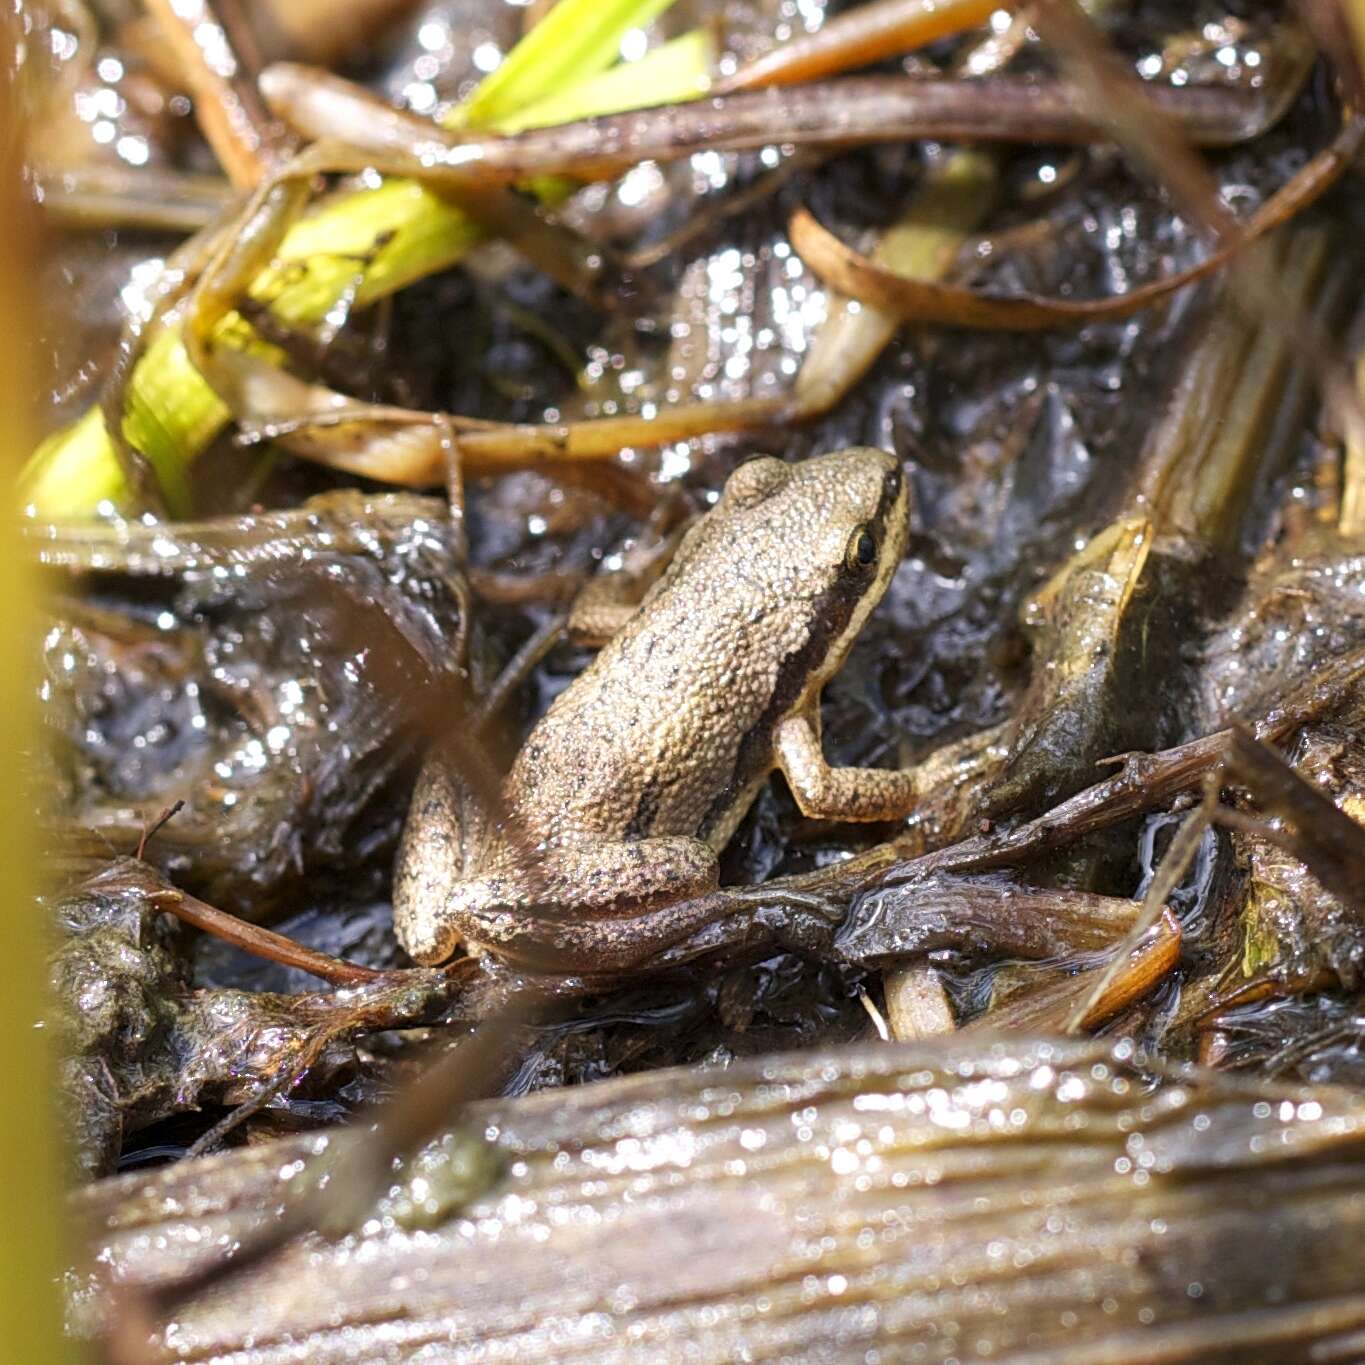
(31, 1247)
(1351, 521)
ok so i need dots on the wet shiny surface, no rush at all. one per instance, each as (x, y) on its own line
(1020, 448)
(259, 674)
(1024, 1200)
(1031, 1200)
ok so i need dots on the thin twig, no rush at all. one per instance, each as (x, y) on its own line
(520, 667)
(211, 1140)
(262, 942)
(168, 814)
(247, 140)
(1323, 837)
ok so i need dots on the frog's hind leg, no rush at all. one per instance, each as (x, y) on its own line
(594, 907)
(623, 879)
(446, 828)
(607, 601)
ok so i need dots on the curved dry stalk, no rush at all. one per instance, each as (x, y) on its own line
(520, 667)
(1106, 88)
(925, 301)
(957, 197)
(856, 37)
(953, 201)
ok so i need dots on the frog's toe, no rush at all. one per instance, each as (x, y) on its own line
(426, 937)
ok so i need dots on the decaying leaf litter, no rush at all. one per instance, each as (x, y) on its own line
(1133, 568)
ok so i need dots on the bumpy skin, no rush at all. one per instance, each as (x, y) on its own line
(640, 771)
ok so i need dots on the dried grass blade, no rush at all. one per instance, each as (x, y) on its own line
(1168, 876)
(861, 35)
(924, 301)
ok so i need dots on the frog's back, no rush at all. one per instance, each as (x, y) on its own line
(667, 730)
(670, 730)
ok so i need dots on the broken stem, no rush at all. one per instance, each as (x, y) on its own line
(262, 942)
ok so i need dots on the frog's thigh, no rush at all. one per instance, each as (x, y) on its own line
(622, 878)
(444, 827)
(593, 622)
(591, 884)
(829, 793)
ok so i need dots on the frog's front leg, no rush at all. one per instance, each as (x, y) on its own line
(591, 906)
(829, 793)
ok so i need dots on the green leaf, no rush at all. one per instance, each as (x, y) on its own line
(676, 71)
(576, 40)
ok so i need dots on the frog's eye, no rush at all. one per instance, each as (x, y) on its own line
(862, 550)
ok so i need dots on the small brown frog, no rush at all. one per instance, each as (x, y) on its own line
(632, 782)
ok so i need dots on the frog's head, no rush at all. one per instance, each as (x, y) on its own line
(822, 537)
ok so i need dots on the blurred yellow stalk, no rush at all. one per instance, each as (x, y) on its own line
(32, 1243)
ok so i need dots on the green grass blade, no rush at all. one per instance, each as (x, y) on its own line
(576, 40)
(671, 69)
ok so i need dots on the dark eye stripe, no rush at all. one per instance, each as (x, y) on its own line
(891, 490)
